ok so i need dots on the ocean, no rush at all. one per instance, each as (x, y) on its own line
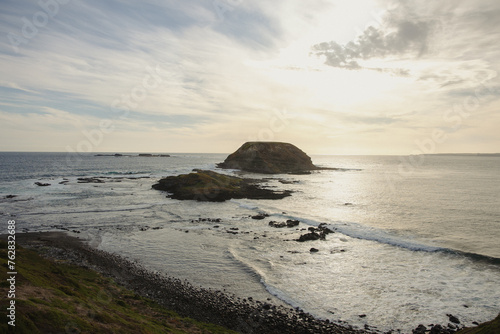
(416, 237)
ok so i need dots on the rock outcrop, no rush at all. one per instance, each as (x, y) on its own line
(209, 186)
(318, 233)
(269, 158)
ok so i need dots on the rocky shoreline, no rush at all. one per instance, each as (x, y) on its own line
(207, 305)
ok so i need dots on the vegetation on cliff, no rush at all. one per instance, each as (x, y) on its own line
(54, 297)
(490, 327)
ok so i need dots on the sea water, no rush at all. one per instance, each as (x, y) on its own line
(414, 240)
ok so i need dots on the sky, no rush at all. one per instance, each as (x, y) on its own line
(205, 76)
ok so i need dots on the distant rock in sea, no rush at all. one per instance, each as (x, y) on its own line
(269, 158)
(142, 155)
(41, 184)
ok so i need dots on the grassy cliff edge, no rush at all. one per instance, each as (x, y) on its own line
(53, 297)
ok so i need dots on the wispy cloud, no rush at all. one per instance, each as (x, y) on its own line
(223, 77)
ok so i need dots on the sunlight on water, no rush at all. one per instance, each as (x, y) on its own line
(408, 249)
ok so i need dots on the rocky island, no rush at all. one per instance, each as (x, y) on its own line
(269, 158)
(209, 186)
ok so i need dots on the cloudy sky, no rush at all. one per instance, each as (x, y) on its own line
(330, 76)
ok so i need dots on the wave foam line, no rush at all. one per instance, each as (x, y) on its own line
(358, 231)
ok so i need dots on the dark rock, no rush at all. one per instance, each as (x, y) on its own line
(362, 315)
(453, 319)
(40, 184)
(421, 329)
(260, 216)
(277, 224)
(10, 196)
(288, 223)
(314, 250)
(268, 158)
(309, 237)
(89, 180)
(322, 227)
(437, 329)
(318, 233)
(287, 181)
(149, 155)
(209, 186)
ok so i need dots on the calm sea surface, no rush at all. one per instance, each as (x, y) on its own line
(416, 237)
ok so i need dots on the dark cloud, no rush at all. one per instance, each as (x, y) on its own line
(396, 37)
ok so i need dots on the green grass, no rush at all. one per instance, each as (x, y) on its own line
(55, 297)
(490, 327)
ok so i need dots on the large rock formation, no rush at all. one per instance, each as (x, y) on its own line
(205, 185)
(269, 158)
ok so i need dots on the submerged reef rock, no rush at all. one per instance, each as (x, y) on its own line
(269, 158)
(209, 186)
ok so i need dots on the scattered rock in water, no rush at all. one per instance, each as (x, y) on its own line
(10, 196)
(421, 329)
(288, 223)
(288, 181)
(149, 155)
(453, 319)
(40, 184)
(89, 180)
(209, 186)
(260, 216)
(269, 158)
(318, 233)
(309, 237)
(313, 250)
(212, 220)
